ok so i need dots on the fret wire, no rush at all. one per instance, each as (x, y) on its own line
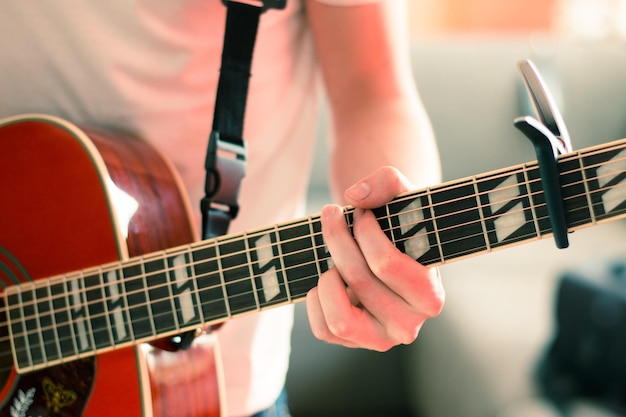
(539, 205)
(481, 214)
(93, 318)
(105, 304)
(120, 281)
(74, 355)
(69, 315)
(387, 217)
(29, 332)
(252, 276)
(545, 217)
(191, 263)
(507, 173)
(516, 184)
(169, 269)
(147, 293)
(281, 259)
(586, 186)
(12, 332)
(588, 192)
(87, 319)
(48, 283)
(191, 281)
(529, 195)
(26, 343)
(533, 205)
(195, 293)
(45, 287)
(533, 208)
(74, 291)
(61, 284)
(316, 257)
(131, 293)
(222, 279)
(195, 290)
(436, 230)
(38, 321)
(160, 289)
(114, 288)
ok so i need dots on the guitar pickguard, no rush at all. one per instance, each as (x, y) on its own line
(61, 390)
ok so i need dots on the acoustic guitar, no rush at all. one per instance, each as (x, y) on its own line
(98, 262)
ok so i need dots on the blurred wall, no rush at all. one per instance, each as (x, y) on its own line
(445, 17)
(464, 54)
(588, 19)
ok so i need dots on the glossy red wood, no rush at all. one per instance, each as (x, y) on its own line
(55, 217)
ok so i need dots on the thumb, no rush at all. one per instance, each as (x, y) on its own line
(377, 188)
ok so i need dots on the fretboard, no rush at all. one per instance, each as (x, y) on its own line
(140, 299)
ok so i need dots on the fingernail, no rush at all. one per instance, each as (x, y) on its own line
(358, 191)
(330, 210)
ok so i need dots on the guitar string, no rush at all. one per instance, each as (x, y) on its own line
(186, 265)
(169, 269)
(247, 278)
(66, 358)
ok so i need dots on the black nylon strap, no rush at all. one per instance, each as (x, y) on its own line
(225, 160)
(242, 21)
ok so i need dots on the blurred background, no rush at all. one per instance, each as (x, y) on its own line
(581, 19)
(481, 357)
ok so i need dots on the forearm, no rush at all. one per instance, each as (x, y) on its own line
(377, 116)
(374, 296)
(386, 132)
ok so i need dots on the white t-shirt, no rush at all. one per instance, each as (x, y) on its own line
(151, 66)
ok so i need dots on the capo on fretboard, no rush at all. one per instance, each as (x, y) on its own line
(550, 139)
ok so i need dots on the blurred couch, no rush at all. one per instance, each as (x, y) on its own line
(478, 358)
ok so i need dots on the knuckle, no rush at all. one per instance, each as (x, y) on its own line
(407, 337)
(406, 334)
(357, 279)
(432, 297)
(383, 266)
(321, 333)
(383, 346)
(340, 328)
(389, 171)
(432, 308)
(436, 302)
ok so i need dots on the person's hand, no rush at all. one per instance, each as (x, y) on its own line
(374, 296)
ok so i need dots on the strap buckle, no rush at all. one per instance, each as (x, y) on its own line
(225, 166)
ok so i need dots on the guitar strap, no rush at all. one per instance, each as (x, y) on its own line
(225, 161)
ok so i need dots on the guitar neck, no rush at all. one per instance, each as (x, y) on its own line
(164, 293)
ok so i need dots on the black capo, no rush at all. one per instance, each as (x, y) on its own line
(550, 139)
